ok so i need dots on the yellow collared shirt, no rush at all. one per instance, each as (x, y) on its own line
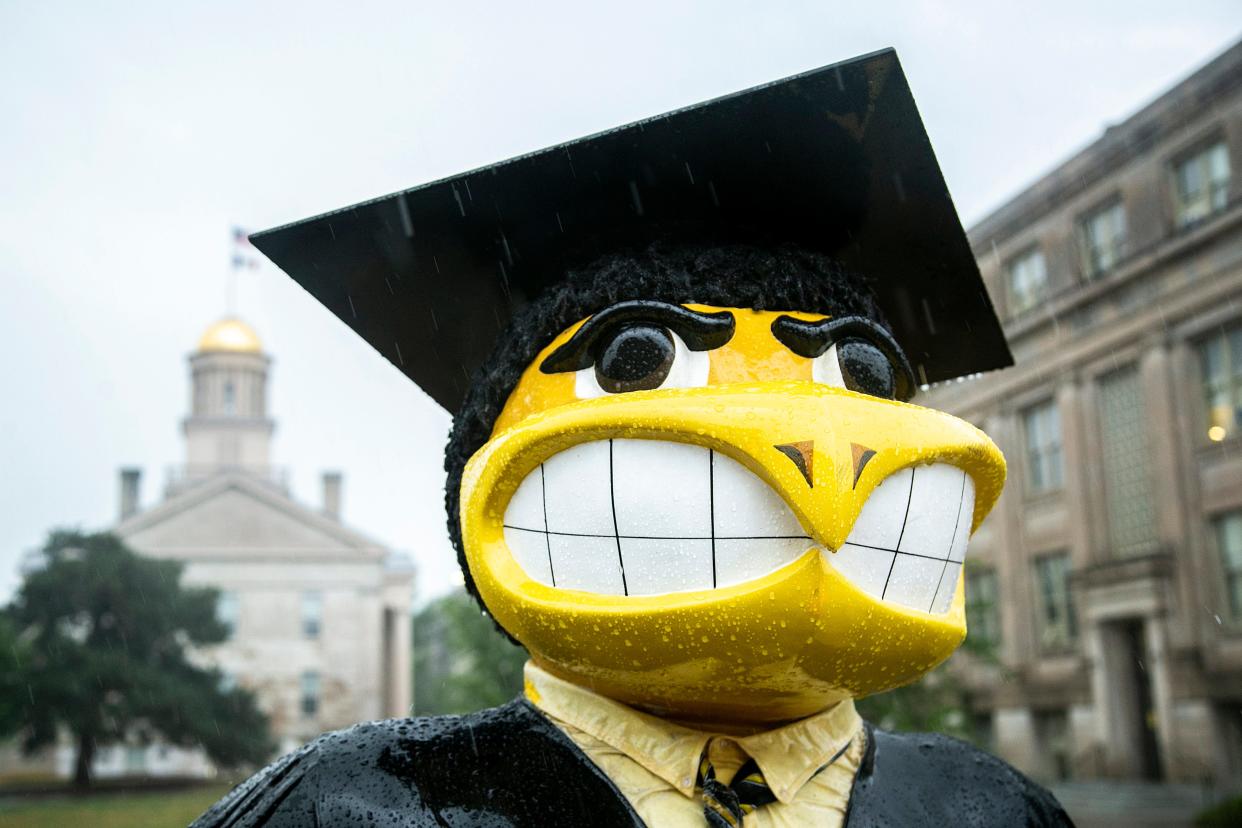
(654, 762)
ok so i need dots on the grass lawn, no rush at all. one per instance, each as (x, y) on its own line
(157, 809)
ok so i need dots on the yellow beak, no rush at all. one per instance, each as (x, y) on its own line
(777, 647)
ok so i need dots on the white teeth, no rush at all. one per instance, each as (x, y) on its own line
(577, 493)
(653, 566)
(932, 518)
(526, 507)
(588, 564)
(746, 507)
(739, 560)
(909, 541)
(866, 567)
(644, 517)
(912, 581)
(665, 490)
(532, 551)
(879, 523)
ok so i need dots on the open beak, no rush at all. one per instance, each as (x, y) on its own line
(668, 498)
(647, 517)
(819, 526)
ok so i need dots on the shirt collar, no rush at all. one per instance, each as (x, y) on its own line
(788, 756)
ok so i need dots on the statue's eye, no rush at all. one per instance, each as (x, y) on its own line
(636, 358)
(858, 365)
(641, 356)
(866, 369)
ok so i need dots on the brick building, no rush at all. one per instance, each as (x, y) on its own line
(1109, 577)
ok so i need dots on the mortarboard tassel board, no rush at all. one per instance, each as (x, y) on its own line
(836, 160)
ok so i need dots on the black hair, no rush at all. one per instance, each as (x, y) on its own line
(762, 277)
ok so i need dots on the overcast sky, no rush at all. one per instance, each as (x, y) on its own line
(133, 137)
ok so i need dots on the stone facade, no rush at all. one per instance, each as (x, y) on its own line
(320, 613)
(1111, 568)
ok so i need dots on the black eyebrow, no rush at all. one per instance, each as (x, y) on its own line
(700, 331)
(812, 339)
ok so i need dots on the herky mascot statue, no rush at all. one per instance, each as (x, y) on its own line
(684, 471)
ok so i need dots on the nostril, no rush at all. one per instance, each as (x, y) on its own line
(862, 456)
(801, 455)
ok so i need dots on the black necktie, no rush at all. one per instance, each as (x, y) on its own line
(724, 806)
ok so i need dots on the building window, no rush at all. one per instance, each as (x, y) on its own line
(227, 610)
(1104, 238)
(1126, 464)
(1057, 626)
(312, 614)
(1220, 358)
(230, 398)
(1201, 184)
(310, 693)
(1042, 424)
(1028, 281)
(982, 616)
(1229, 542)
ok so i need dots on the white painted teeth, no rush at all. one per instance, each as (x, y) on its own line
(909, 542)
(644, 517)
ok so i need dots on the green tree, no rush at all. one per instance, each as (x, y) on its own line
(101, 638)
(14, 653)
(461, 661)
(937, 702)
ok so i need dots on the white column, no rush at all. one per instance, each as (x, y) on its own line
(1015, 739)
(1161, 421)
(1094, 648)
(401, 676)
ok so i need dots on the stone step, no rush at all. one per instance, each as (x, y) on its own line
(1127, 804)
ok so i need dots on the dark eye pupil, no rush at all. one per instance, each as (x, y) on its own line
(636, 358)
(865, 369)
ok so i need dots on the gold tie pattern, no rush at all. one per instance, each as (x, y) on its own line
(725, 806)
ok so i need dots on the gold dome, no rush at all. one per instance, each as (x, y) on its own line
(230, 335)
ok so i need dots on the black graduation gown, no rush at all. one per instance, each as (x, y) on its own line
(510, 766)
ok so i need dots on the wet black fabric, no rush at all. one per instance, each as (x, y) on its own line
(935, 780)
(510, 766)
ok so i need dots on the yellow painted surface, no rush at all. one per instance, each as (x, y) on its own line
(777, 648)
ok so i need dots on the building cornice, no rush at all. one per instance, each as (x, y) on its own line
(1116, 147)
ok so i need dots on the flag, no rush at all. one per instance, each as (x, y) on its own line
(243, 250)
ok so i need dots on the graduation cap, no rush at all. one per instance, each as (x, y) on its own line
(835, 159)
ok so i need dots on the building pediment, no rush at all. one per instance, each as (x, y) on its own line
(233, 514)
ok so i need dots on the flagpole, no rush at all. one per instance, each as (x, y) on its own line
(240, 258)
(230, 293)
